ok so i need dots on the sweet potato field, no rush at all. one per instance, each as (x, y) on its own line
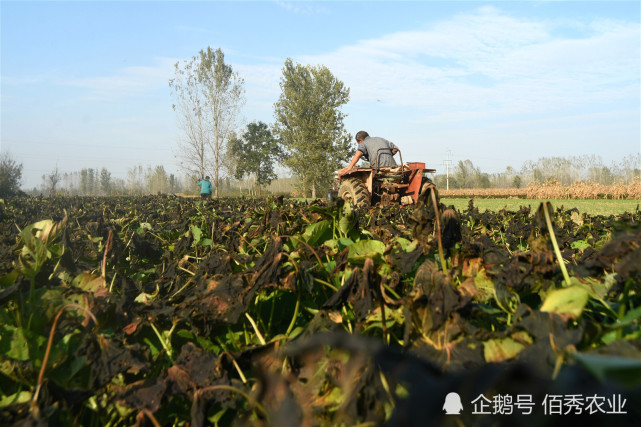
(170, 311)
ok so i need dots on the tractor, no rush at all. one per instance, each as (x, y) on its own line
(384, 186)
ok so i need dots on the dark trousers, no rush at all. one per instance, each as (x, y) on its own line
(205, 195)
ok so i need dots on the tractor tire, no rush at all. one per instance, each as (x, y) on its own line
(354, 191)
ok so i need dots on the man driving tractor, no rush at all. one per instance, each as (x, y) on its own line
(368, 147)
(383, 182)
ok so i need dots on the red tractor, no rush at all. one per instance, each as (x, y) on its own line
(384, 186)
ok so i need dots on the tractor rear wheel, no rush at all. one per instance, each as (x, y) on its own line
(354, 191)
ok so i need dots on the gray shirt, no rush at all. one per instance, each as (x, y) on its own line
(370, 146)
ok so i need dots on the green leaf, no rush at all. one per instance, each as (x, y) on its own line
(197, 233)
(580, 244)
(347, 222)
(596, 288)
(332, 244)
(143, 227)
(89, 282)
(8, 279)
(345, 242)
(34, 251)
(392, 317)
(630, 317)
(52, 302)
(500, 349)
(407, 245)
(363, 249)
(205, 242)
(295, 332)
(19, 344)
(317, 233)
(485, 285)
(334, 398)
(19, 397)
(568, 301)
(338, 245)
(46, 231)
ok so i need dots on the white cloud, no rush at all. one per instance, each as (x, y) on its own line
(484, 59)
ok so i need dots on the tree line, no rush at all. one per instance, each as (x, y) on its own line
(566, 171)
(139, 181)
(153, 180)
(92, 181)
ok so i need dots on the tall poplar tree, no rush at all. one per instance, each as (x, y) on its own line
(105, 181)
(309, 123)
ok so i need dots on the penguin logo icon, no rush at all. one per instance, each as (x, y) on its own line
(452, 405)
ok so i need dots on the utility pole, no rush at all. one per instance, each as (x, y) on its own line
(447, 170)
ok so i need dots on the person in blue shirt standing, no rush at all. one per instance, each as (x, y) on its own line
(205, 188)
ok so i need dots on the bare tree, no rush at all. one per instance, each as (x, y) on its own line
(209, 96)
(52, 179)
(187, 91)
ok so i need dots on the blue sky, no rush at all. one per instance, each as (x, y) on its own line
(85, 84)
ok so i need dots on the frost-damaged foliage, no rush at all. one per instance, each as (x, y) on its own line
(169, 311)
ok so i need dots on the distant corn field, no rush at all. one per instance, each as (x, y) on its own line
(554, 190)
